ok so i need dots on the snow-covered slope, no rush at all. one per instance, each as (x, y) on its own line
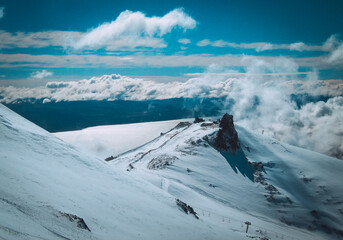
(103, 141)
(274, 182)
(45, 182)
(43, 179)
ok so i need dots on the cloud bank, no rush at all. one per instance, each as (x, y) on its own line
(216, 82)
(259, 98)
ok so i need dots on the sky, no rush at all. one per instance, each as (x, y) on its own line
(165, 41)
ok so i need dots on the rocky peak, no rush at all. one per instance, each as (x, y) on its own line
(227, 137)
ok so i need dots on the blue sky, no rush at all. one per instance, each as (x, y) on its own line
(163, 40)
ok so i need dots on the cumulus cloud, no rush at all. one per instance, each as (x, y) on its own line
(40, 74)
(136, 25)
(184, 41)
(2, 12)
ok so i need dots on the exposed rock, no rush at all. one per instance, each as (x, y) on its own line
(130, 167)
(207, 124)
(73, 218)
(186, 208)
(272, 189)
(258, 166)
(196, 143)
(198, 120)
(306, 179)
(227, 137)
(161, 161)
(315, 214)
(182, 124)
(109, 158)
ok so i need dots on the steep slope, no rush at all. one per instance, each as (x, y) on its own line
(271, 182)
(50, 190)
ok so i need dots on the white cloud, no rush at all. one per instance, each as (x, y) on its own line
(336, 56)
(130, 31)
(2, 12)
(184, 41)
(261, 98)
(262, 102)
(136, 25)
(128, 61)
(335, 46)
(112, 87)
(132, 44)
(204, 43)
(331, 43)
(298, 46)
(41, 74)
(36, 39)
(65, 39)
(261, 46)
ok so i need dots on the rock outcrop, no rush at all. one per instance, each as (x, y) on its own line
(227, 137)
(198, 120)
(80, 223)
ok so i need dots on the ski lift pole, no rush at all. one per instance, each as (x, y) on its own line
(248, 224)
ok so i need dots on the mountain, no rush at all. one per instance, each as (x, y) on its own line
(52, 190)
(258, 176)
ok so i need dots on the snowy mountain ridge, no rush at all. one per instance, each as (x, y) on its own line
(51, 190)
(293, 185)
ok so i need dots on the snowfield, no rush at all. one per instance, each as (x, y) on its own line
(103, 141)
(49, 188)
